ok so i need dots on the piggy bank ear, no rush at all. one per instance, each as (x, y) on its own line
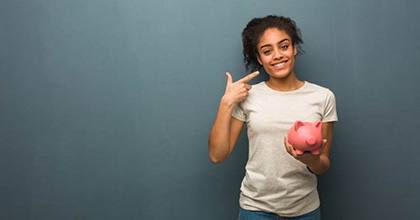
(318, 124)
(298, 124)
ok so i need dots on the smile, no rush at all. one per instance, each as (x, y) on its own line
(279, 65)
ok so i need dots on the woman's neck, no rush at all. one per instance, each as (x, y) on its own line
(289, 83)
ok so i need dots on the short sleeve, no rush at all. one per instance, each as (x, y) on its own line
(330, 111)
(239, 113)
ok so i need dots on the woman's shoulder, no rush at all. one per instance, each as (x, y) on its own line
(258, 86)
(318, 88)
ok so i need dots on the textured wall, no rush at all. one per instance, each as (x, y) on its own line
(105, 106)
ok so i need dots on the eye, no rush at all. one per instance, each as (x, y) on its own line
(284, 46)
(266, 52)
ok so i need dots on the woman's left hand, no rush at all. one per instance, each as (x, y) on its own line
(307, 157)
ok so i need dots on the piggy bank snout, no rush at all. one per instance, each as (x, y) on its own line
(311, 140)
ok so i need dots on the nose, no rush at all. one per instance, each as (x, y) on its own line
(277, 54)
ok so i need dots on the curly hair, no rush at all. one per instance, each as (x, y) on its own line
(254, 30)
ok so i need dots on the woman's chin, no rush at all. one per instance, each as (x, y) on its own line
(280, 74)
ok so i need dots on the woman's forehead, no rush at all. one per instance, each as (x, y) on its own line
(273, 36)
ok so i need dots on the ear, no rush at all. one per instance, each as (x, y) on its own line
(295, 51)
(258, 58)
(298, 124)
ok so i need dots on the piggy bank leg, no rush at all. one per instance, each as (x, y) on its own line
(298, 152)
(316, 151)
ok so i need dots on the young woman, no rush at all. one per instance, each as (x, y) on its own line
(278, 183)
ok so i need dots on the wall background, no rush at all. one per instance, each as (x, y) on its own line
(105, 106)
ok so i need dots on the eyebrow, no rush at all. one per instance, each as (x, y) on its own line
(268, 45)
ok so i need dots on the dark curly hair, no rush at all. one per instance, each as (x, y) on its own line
(254, 30)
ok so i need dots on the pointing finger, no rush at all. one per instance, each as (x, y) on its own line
(249, 77)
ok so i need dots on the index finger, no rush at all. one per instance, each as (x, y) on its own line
(248, 77)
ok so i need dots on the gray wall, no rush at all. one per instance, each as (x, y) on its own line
(105, 106)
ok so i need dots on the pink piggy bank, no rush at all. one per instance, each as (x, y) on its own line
(306, 136)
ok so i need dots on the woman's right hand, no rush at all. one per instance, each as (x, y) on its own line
(236, 92)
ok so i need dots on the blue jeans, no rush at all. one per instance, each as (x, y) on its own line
(259, 215)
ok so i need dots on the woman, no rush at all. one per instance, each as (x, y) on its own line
(278, 183)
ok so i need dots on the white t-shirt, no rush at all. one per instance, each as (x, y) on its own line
(275, 181)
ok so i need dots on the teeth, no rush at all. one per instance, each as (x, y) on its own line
(280, 65)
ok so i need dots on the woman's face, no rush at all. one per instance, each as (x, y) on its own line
(276, 53)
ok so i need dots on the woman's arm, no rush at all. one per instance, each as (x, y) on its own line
(323, 164)
(224, 134)
(226, 129)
